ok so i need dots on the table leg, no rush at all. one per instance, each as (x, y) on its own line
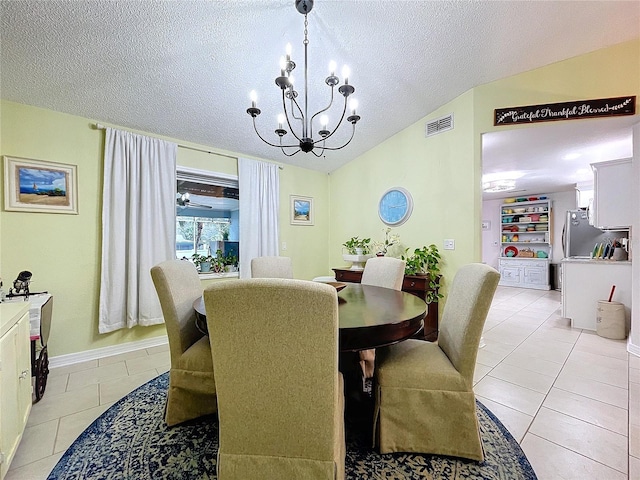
(359, 400)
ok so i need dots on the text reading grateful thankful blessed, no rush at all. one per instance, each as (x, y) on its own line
(603, 107)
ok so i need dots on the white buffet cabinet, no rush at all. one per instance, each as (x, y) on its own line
(15, 378)
(524, 272)
(586, 281)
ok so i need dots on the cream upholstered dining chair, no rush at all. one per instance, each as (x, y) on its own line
(192, 390)
(271, 267)
(280, 394)
(387, 272)
(424, 391)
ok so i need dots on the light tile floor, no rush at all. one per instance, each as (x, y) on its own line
(570, 397)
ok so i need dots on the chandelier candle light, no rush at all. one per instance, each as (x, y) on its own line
(305, 141)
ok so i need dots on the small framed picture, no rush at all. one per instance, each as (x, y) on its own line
(40, 186)
(486, 224)
(301, 210)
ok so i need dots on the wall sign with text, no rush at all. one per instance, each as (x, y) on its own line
(602, 107)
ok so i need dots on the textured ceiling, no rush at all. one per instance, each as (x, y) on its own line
(554, 157)
(184, 69)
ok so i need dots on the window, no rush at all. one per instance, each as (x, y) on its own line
(207, 215)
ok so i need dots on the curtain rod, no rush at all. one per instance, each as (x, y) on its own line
(99, 126)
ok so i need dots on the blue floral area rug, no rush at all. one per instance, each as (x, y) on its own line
(130, 441)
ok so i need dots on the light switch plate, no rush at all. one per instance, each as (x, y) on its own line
(449, 244)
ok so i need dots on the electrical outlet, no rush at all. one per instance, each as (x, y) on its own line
(449, 244)
(284, 246)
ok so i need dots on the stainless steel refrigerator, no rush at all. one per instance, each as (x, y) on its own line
(579, 238)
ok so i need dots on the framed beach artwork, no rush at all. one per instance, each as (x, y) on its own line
(39, 186)
(301, 210)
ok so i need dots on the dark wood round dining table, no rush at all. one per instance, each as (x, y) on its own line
(370, 317)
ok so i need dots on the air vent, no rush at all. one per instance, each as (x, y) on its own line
(440, 125)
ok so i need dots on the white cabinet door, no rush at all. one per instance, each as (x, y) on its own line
(612, 193)
(510, 274)
(23, 355)
(536, 276)
(9, 419)
(15, 389)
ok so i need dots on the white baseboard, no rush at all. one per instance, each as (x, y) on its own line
(632, 348)
(71, 358)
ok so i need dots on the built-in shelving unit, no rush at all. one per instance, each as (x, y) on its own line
(525, 242)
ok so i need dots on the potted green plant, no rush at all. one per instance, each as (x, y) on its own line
(217, 262)
(425, 261)
(202, 262)
(357, 246)
(225, 232)
(230, 262)
(357, 252)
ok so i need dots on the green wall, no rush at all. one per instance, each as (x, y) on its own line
(443, 174)
(437, 171)
(610, 72)
(63, 251)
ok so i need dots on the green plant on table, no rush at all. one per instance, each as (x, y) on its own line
(425, 261)
(355, 243)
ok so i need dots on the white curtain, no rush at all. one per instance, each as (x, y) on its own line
(138, 226)
(259, 184)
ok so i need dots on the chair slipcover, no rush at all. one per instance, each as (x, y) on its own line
(280, 395)
(387, 272)
(424, 394)
(271, 267)
(192, 390)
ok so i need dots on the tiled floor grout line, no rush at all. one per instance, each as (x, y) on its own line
(55, 439)
(578, 418)
(555, 379)
(514, 349)
(576, 452)
(573, 347)
(584, 396)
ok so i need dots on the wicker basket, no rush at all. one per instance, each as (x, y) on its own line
(525, 254)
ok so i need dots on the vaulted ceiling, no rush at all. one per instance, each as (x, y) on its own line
(184, 69)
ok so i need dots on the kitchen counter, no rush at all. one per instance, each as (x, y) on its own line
(593, 261)
(586, 281)
(526, 258)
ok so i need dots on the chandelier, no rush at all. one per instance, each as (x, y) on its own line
(296, 112)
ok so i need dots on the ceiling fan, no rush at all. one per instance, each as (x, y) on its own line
(182, 199)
